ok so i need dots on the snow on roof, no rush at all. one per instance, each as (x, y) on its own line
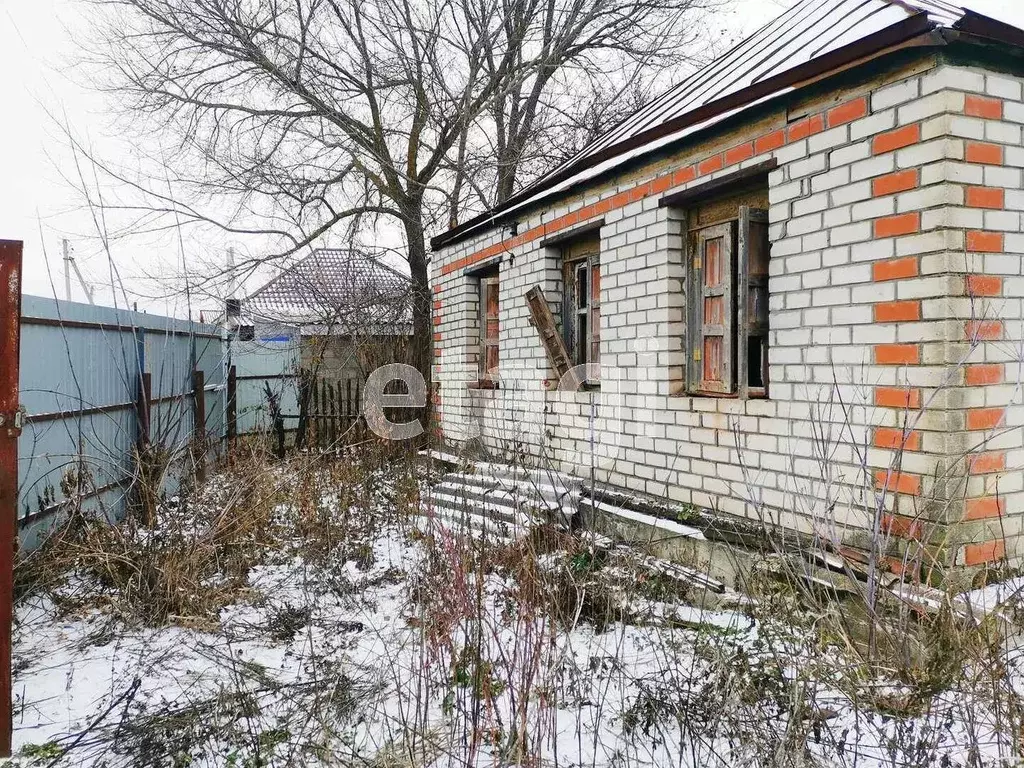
(340, 290)
(812, 35)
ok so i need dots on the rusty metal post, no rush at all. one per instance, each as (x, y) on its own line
(10, 428)
(199, 423)
(145, 399)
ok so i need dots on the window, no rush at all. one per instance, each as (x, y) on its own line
(581, 309)
(727, 286)
(489, 325)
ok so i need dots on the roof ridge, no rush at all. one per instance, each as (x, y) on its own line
(802, 43)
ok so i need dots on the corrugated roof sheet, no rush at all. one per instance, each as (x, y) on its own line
(345, 290)
(812, 30)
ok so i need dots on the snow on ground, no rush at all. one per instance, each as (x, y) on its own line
(413, 653)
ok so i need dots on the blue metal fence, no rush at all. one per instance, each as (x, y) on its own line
(82, 368)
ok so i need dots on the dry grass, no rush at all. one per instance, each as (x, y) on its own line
(783, 696)
(193, 557)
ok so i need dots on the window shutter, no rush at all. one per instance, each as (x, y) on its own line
(544, 322)
(713, 311)
(752, 312)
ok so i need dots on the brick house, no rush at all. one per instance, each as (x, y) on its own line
(794, 283)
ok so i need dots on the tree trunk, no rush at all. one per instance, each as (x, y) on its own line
(420, 353)
(505, 184)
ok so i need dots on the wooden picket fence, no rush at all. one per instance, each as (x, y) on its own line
(334, 411)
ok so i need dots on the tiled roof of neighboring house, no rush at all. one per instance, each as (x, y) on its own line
(334, 290)
(812, 38)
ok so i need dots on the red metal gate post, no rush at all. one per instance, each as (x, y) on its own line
(10, 428)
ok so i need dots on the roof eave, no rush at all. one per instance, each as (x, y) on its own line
(977, 25)
(904, 33)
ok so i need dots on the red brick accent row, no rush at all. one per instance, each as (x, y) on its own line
(770, 141)
(806, 127)
(984, 242)
(848, 112)
(897, 311)
(983, 330)
(898, 397)
(892, 183)
(897, 439)
(980, 374)
(902, 526)
(983, 153)
(894, 269)
(985, 463)
(897, 139)
(984, 285)
(766, 143)
(983, 106)
(712, 164)
(985, 197)
(983, 508)
(897, 354)
(900, 224)
(978, 152)
(898, 482)
(984, 418)
(739, 153)
(984, 552)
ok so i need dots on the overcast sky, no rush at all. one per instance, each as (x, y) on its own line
(38, 49)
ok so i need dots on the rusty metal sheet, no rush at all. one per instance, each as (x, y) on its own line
(10, 424)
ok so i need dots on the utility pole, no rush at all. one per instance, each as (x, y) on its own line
(67, 270)
(69, 264)
(232, 282)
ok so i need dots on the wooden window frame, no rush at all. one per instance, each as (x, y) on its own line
(739, 328)
(488, 378)
(581, 257)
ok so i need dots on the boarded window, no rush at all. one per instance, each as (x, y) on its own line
(489, 328)
(544, 322)
(581, 308)
(727, 304)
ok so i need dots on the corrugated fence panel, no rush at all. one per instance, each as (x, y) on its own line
(81, 367)
(271, 360)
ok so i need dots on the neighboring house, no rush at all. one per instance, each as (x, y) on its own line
(795, 279)
(351, 310)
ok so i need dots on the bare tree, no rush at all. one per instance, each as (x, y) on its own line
(597, 62)
(297, 118)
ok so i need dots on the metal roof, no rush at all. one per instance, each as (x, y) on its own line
(343, 291)
(813, 37)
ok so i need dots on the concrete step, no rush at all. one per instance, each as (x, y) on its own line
(515, 500)
(493, 499)
(552, 493)
(456, 503)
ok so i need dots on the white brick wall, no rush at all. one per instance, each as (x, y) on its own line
(879, 231)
